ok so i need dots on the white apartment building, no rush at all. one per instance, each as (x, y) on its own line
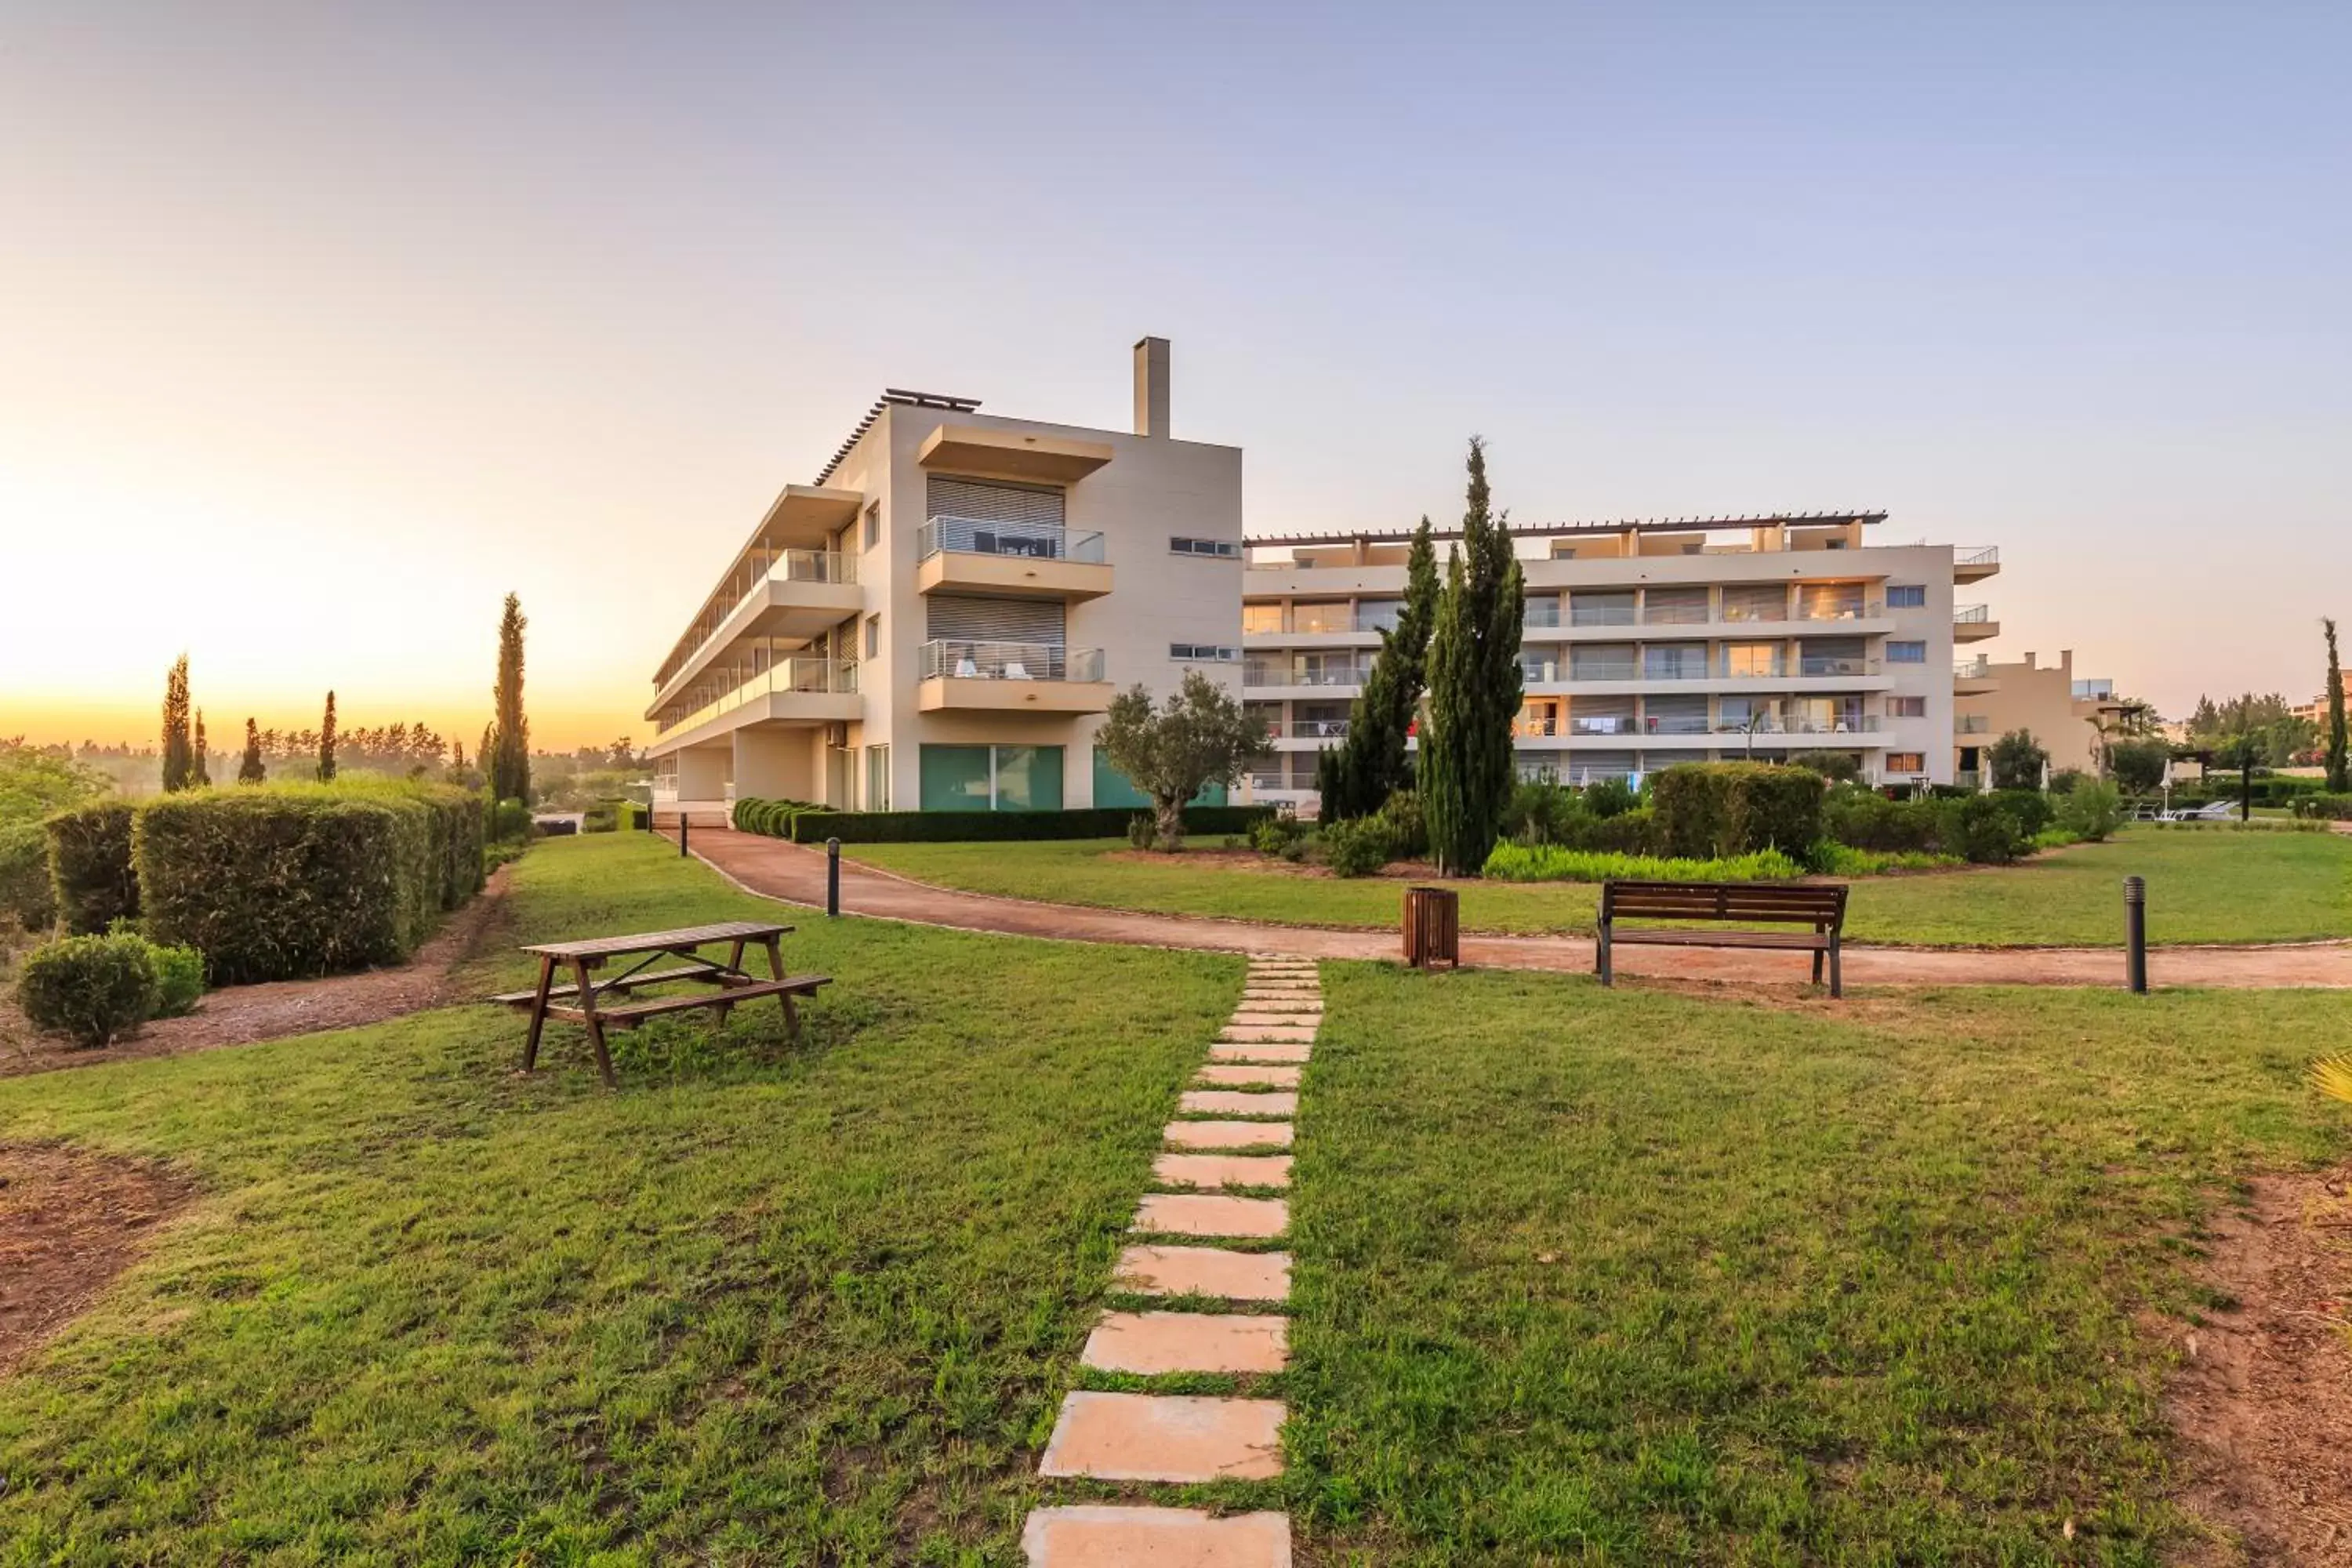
(1647, 644)
(941, 619)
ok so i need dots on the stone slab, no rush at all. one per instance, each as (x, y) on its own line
(1152, 1344)
(1165, 1437)
(1222, 1170)
(1236, 1103)
(1260, 1051)
(1228, 1134)
(1212, 1213)
(1222, 1074)
(1246, 1032)
(1281, 1002)
(1098, 1535)
(1258, 1018)
(1205, 1271)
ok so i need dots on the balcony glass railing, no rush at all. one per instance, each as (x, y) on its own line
(1529, 728)
(1308, 729)
(1600, 614)
(1676, 724)
(1303, 675)
(960, 660)
(1604, 724)
(1673, 615)
(1814, 664)
(1972, 724)
(1800, 724)
(804, 675)
(1845, 610)
(815, 566)
(976, 536)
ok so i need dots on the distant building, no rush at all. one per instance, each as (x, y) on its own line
(2064, 714)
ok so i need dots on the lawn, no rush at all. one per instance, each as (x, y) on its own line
(1630, 1278)
(2211, 886)
(771, 1304)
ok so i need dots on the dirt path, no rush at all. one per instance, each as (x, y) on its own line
(241, 1014)
(69, 1222)
(795, 874)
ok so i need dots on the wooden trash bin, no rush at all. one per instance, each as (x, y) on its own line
(1433, 928)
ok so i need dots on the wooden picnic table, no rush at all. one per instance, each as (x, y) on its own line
(579, 1001)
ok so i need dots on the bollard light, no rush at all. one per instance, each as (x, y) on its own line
(2135, 934)
(832, 876)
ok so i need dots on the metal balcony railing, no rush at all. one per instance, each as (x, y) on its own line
(1976, 669)
(1674, 614)
(959, 661)
(1608, 724)
(1599, 615)
(977, 536)
(1971, 614)
(1532, 728)
(1308, 729)
(1303, 675)
(1976, 555)
(803, 675)
(1972, 724)
(1814, 666)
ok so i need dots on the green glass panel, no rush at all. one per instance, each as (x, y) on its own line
(1113, 790)
(955, 778)
(1028, 778)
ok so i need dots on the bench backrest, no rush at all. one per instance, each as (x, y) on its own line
(1820, 905)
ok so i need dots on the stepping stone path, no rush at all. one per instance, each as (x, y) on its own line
(1228, 1147)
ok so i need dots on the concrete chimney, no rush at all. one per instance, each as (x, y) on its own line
(1151, 386)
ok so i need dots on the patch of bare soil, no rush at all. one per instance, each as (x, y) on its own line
(240, 1014)
(1245, 860)
(71, 1222)
(2262, 1401)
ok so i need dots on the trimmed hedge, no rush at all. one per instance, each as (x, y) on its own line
(272, 884)
(814, 826)
(25, 892)
(1719, 811)
(92, 989)
(757, 813)
(90, 872)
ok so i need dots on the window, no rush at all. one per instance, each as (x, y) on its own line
(873, 525)
(1756, 602)
(1113, 789)
(1601, 661)
(1378, 614)
(992, 778)
(1906, 708)
(877, 778)
(1222, 548)
(1907, 596)
(1675, 661)
(874, 636)
(1906, 761)
(1753, 660)
(1906, 652)
(1260, 619)
(1323, 615)
(1542, 610)
(1615, 609)
(1202, 653)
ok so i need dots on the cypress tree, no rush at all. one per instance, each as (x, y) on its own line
(250, 769)
(327, 743)
(509, 760)
(1357, 777)
(2339, 746)
(1475, 684)
(179, 763)
(204, 766)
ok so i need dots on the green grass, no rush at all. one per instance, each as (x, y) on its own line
(2224, 887)
(1627, 1277)
(771, 1304)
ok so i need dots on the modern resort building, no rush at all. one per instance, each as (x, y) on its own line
(2070, 716)
(941, 619)
(1647, 644)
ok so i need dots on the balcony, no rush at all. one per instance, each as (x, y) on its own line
(1973, 563)
(1972, 724)
(799, 595)
(1322, 676)
(808, 689)
(1819, 666)
(1012, 677)
(1973, 622)
(1306, 729)
(1973, 677)
(957, 554)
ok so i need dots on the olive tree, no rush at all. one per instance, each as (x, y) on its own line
(1199, 737)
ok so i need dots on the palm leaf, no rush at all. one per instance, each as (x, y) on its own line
(2332, 1075)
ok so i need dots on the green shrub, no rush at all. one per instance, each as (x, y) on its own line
(179, 979)
(1838, 767)
(1274, 834)
(295, 880)
(2093, 809)
(2066, 781)
(90, 872)
(1633, 832)
(1831, 858)
(1401, 820)
(1719, 810)
(1983, 830)
(1608, 797)
(1355, 848)
(93, 989)
(1536, 811)
(814, 824)
(1142, 830)
(1552, 863)
(2029, 806)
(2324, 807)
(509, 822)
(26, 896)
(1865, 819)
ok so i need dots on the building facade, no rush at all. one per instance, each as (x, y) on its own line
(2070, 716)
(1647, 644)
(940, 620)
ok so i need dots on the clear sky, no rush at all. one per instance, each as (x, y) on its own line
(321, 326)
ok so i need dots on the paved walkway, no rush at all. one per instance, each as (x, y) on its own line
(796, 873)
(1204, 1234)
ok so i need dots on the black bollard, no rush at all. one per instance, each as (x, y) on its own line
(681, 833)
(2135, 935)
(832, 876)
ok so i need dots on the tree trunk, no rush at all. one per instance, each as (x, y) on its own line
(1168, 818)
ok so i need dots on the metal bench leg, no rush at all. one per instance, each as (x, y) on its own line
(1837, 970)
(1818, 958)
(538, 1010)
(1600, 959)
(596, 1025)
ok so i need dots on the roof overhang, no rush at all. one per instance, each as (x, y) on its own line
(1011, 454)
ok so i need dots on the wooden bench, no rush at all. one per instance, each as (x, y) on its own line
(1820, 906)
(732, 986)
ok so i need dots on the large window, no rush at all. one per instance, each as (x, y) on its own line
(1115, 789)
(1378, 614)
(877, 778)
(1675, 661)
(1906, 652)
(1754, 660)
(1906, 762)
(1323, 615)
(992, 778)
(1906, 708)
(1829, 601)
(1675, 606)
(1907, 596)
(1225, 549)
(1598, 609)
(1261, 618)
(1601, 661)
(1202, 653)
(1756, 602)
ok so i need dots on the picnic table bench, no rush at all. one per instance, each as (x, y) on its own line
(580, 1002)
(1820, 906)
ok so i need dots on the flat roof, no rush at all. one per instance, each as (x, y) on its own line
(1564, 529)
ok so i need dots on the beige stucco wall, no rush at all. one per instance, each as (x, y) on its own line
(2032, 695)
